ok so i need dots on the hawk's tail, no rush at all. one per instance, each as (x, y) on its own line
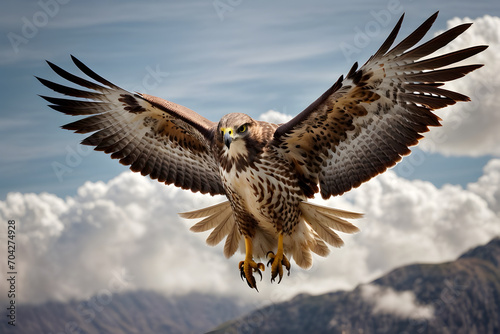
(220, 218)
(318, 223)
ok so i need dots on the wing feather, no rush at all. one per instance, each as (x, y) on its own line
(366, 122)
(159, 138)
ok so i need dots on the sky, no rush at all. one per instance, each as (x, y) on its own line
(86, 225)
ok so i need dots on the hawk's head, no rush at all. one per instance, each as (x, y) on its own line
(239, 140)
(234, 130)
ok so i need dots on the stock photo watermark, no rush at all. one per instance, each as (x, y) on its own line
(11, 272)
(31, 25)
(224, 7)
(76, 153)
(89, 310)
(363, 35)
(73, 158)
(152, 80)
(450, 295)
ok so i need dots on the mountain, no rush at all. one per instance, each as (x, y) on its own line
(132, 312)
(462, 296)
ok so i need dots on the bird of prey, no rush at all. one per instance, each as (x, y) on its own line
(362, 125)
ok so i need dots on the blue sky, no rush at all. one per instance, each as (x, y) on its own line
(215, 57)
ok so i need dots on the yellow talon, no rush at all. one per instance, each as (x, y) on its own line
(248, 266)
(278, 261)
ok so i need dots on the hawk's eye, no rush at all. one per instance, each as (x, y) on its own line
(242, 128)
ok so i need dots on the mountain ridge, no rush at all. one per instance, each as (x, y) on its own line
(461, 296)
(126, 313)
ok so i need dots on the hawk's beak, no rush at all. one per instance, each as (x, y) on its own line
(228, 137)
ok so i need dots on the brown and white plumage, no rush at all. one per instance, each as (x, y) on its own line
(357, 129)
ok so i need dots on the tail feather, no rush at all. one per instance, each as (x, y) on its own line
(220, 218)
(323, 231)
(302, 256)
(232, 242)
(333, 212)
(318, 224)
(323, 220)
(226, 222)
(215, 215)
(205, 212)
(336, 223)
(318, 246)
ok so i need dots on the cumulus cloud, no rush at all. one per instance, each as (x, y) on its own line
(471, 128)
(487, 185)
(402, 304)
(273, 116)
(127, 230)
(75, 247)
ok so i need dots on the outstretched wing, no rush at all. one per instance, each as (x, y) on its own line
(164, 140)
(365, 123)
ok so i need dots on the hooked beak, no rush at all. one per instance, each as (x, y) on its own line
(228, 137)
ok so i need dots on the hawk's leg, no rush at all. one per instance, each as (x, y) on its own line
(248, 266)
(278, 261)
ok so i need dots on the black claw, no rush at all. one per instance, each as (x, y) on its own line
(270, 262)
(258, 271)
(251, 283)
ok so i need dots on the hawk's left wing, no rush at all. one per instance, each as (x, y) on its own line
(159, 138)
(365, 123)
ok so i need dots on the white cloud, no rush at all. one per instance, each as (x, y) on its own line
(273, 116)
(471, 128)
(402, 304)
(487, 185)
(74, 247)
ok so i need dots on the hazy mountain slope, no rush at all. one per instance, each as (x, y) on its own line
(462, 296)
(133, 312)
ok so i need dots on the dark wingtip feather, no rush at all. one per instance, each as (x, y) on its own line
(390, 39)
(352, 70)
(68, 90)
(447, 74)
(436, 43)
(91, 73)
(75, 79)
(415, 36)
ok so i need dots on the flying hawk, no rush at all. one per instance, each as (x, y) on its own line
(362, 125)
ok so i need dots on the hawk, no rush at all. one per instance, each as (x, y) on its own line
(361, 126)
